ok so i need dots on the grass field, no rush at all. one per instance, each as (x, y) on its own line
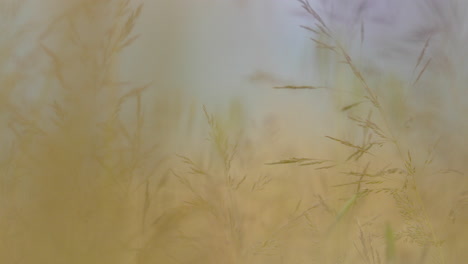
(98, 168)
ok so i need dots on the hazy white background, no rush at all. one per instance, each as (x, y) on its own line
(221, 49)
(216, 51)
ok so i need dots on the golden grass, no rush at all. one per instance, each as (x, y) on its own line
(95, 170)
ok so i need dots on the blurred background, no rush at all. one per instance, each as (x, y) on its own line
(220, 51)
(233, 131)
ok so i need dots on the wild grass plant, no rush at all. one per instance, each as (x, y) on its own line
(75, 162)
(402, 182)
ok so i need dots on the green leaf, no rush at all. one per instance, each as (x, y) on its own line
(390, 244)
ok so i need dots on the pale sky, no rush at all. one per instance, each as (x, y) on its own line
(220, 49)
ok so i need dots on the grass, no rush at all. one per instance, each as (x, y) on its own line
(96, 169)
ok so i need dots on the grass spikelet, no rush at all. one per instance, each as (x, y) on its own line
(421, 55)
(291, 160)
(367, 251)
(306, 5)
(303, 87)
(350, 106)
(422, 72)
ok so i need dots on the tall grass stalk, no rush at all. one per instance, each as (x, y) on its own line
(420, 229)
